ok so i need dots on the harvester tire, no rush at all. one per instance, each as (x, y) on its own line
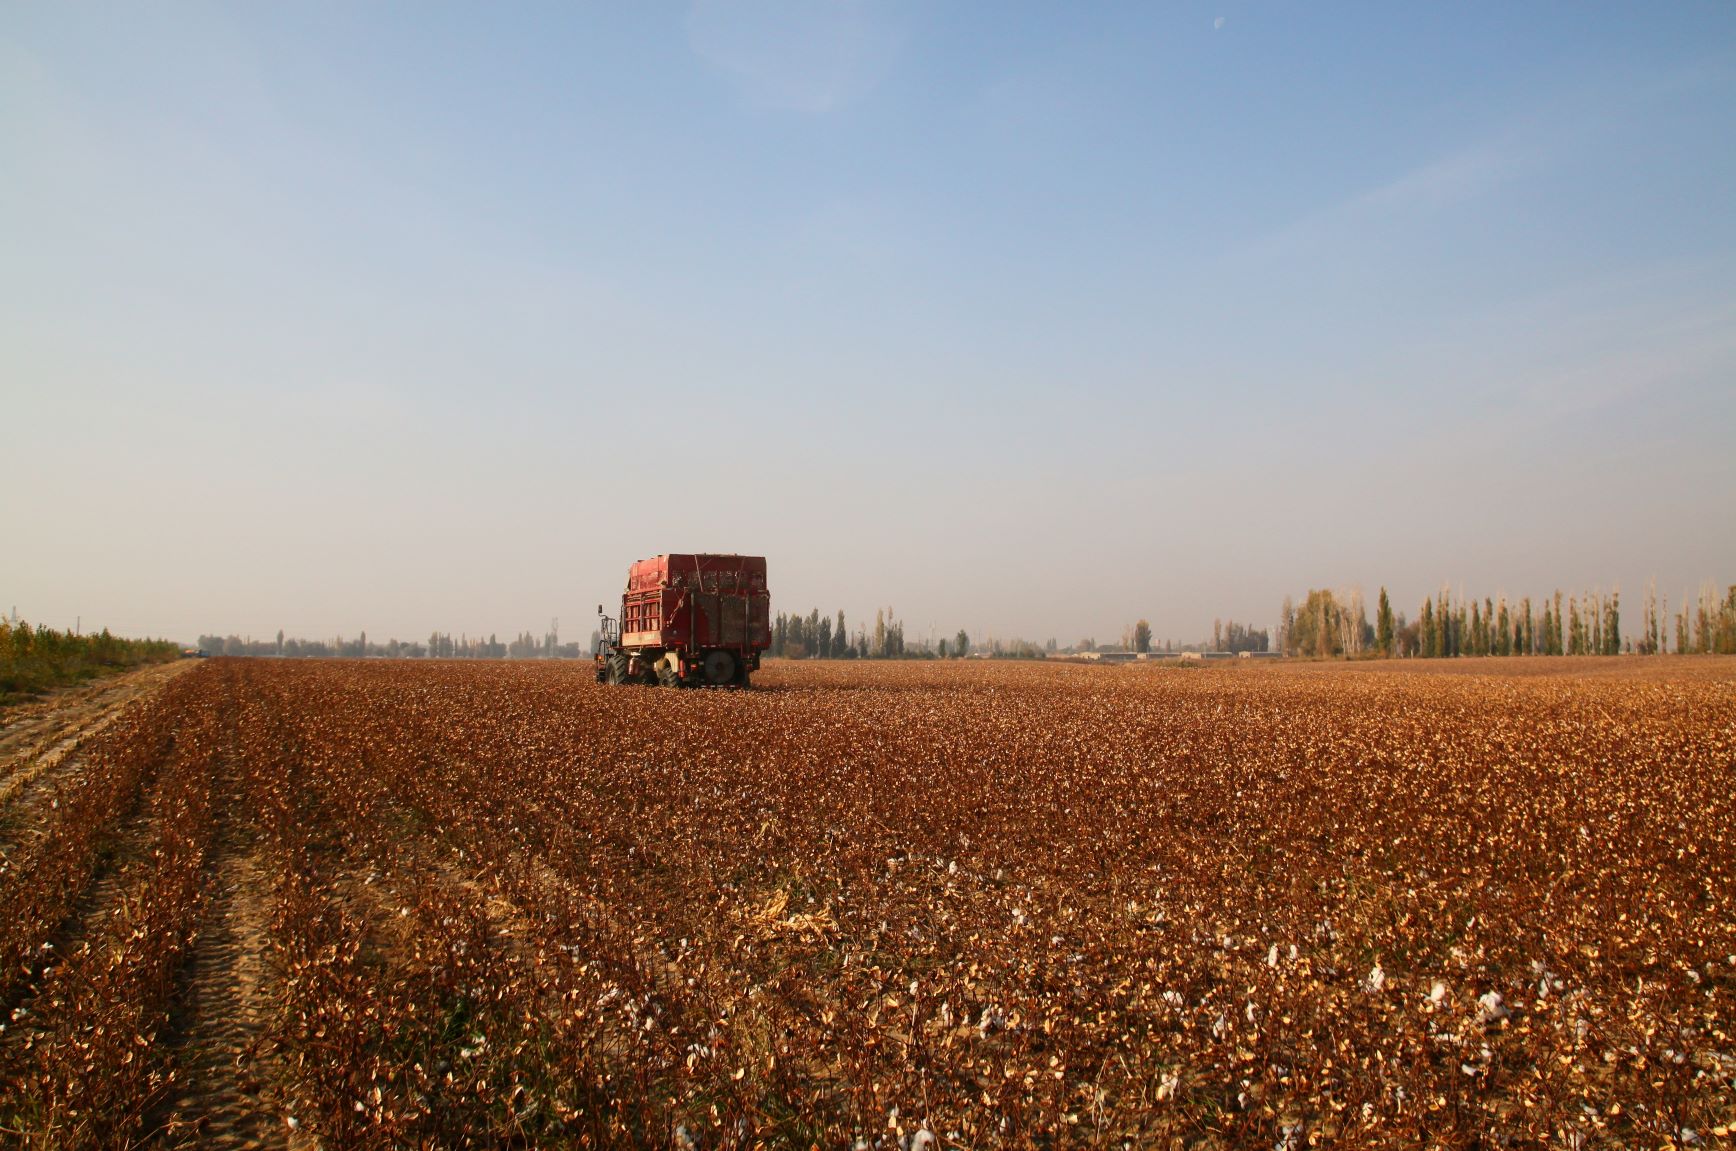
(720, 667)
(617, 669)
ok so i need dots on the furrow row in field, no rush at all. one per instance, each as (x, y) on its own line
(50, 867)
(82, 1059)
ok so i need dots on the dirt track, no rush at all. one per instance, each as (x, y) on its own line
(217, 1031)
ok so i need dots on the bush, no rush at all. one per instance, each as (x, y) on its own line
(35, 659)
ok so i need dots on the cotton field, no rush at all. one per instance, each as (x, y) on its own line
(965, 905)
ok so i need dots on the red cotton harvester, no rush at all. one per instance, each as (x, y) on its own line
(688, 621)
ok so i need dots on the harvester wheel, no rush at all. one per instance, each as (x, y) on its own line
(617, 668)
(719, 667)
(668, 676)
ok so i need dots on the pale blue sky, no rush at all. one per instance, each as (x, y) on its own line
(1026, 319)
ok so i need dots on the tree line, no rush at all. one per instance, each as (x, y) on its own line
(1330, 624)
(1235, 637)
(439, 645)
(34, 659)
(816, 636)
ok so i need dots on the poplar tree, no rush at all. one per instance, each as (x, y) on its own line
(1383, 626)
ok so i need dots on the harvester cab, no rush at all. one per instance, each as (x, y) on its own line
(608, 645)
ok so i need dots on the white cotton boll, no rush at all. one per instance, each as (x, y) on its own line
(1272, 956)
(1491, 1007)
(1376, 979)
(1220, 1025)
(921, 1140)
(1438, 993)
(1167, 1087)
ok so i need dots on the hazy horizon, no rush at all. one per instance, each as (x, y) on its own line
(1032, 322)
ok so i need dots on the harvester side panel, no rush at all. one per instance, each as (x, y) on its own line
(694, 602)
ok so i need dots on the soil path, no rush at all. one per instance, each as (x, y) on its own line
(218, 1031)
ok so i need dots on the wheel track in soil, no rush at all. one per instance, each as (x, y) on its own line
(223, 1012)
(218, 1029)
